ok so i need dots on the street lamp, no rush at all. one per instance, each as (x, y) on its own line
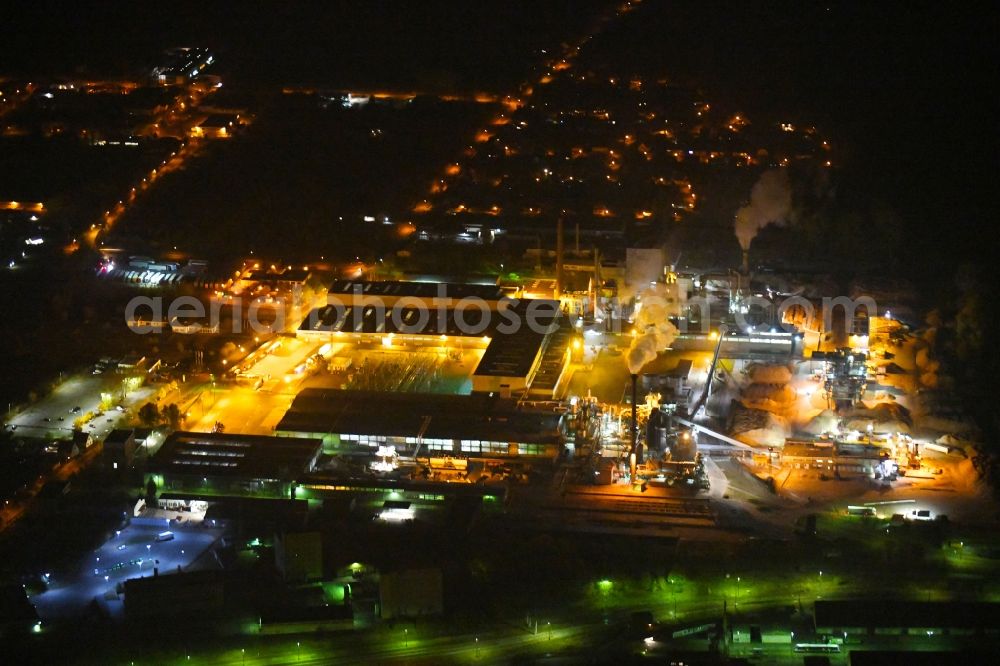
(406, 637)
(673, 598)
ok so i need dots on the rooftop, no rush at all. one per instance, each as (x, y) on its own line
(395, 289)
(244, 456)
(896, 613)
(219, 120)
(119, 436)
(172, 580)
(513, 354)
(834, 450)
(477, 416)
(510, 353)
(409, 321)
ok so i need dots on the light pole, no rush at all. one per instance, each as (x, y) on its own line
(477, 647)
(549, 626)
(406, 637)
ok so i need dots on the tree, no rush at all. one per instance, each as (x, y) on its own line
(172, 415)
(149, 414)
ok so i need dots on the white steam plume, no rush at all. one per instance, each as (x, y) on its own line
(770, 203)
(643, 266)
(654, 332)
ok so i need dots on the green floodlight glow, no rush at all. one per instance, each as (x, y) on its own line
(604, 585)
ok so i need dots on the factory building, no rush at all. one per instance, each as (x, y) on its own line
(280, 280)
(119, 448)
(218, 126)
(181, 65)
(836, 458)
(901, 617)
(410, 593)
(174, 594)
(299, 555)
(211, 464)
(525, 343)
(756, 344)
(419, 424)
(845, 375)
(353, 293)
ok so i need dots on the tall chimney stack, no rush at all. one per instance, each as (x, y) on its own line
(559, 257)
(635, 421)
(746, 262)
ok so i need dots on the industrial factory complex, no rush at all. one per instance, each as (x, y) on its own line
(484, 333)
(412, 381)
(676, 408)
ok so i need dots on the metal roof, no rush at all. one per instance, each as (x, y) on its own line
(398, 289)
(372, 413)
(245, 456)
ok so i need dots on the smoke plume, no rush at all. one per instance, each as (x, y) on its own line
(770, 203)
(654, 332)
(643, 266)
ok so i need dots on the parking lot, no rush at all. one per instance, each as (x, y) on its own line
(131, 553)
(53, 416)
